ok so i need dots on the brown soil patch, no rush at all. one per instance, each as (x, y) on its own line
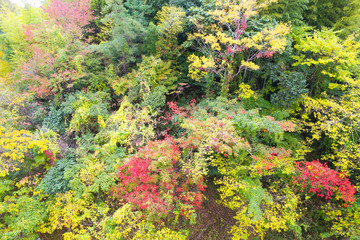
(214, 220)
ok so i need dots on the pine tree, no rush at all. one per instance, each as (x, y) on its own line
(121, 35)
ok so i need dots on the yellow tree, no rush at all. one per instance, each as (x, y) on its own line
(171, 21)
(20, 145)
(227, 48)
(331, 117)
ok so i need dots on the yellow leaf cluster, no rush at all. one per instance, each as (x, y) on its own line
(129, 126)
(220, 43)
(228, 10)
(250, 65)
(171, 20)
(15, 145)
(198, 64)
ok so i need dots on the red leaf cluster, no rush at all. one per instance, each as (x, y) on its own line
(71, 16)
(50, 155)
(153, 180)
(322, 181)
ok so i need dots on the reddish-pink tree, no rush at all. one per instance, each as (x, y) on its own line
(55, 48)
(318, 179)
(153, 180)
(70, 16)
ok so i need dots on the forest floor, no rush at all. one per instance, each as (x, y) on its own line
(214, 220)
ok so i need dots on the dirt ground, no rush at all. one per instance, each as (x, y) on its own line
(214, 220)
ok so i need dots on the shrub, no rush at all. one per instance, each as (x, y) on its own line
(88, 110)
(153, 181)
(54, 121)
(318, 179)
(54, 180)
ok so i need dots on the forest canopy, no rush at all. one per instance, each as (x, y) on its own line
(205, 119)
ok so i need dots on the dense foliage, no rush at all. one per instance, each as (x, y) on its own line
(207, 119)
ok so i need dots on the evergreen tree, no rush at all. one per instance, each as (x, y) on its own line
(121, 35)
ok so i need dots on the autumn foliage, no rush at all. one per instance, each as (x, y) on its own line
(180, 119)
(153, 180)
(318, 179)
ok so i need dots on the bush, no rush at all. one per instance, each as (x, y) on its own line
(87, 109)
(318, 179)
(154, 181)
(54, 181)
(292, 85)
(54, 121)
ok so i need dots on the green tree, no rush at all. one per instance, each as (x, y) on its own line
(288, 10)
(121, 35)
(350, 23)
(326, 13)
